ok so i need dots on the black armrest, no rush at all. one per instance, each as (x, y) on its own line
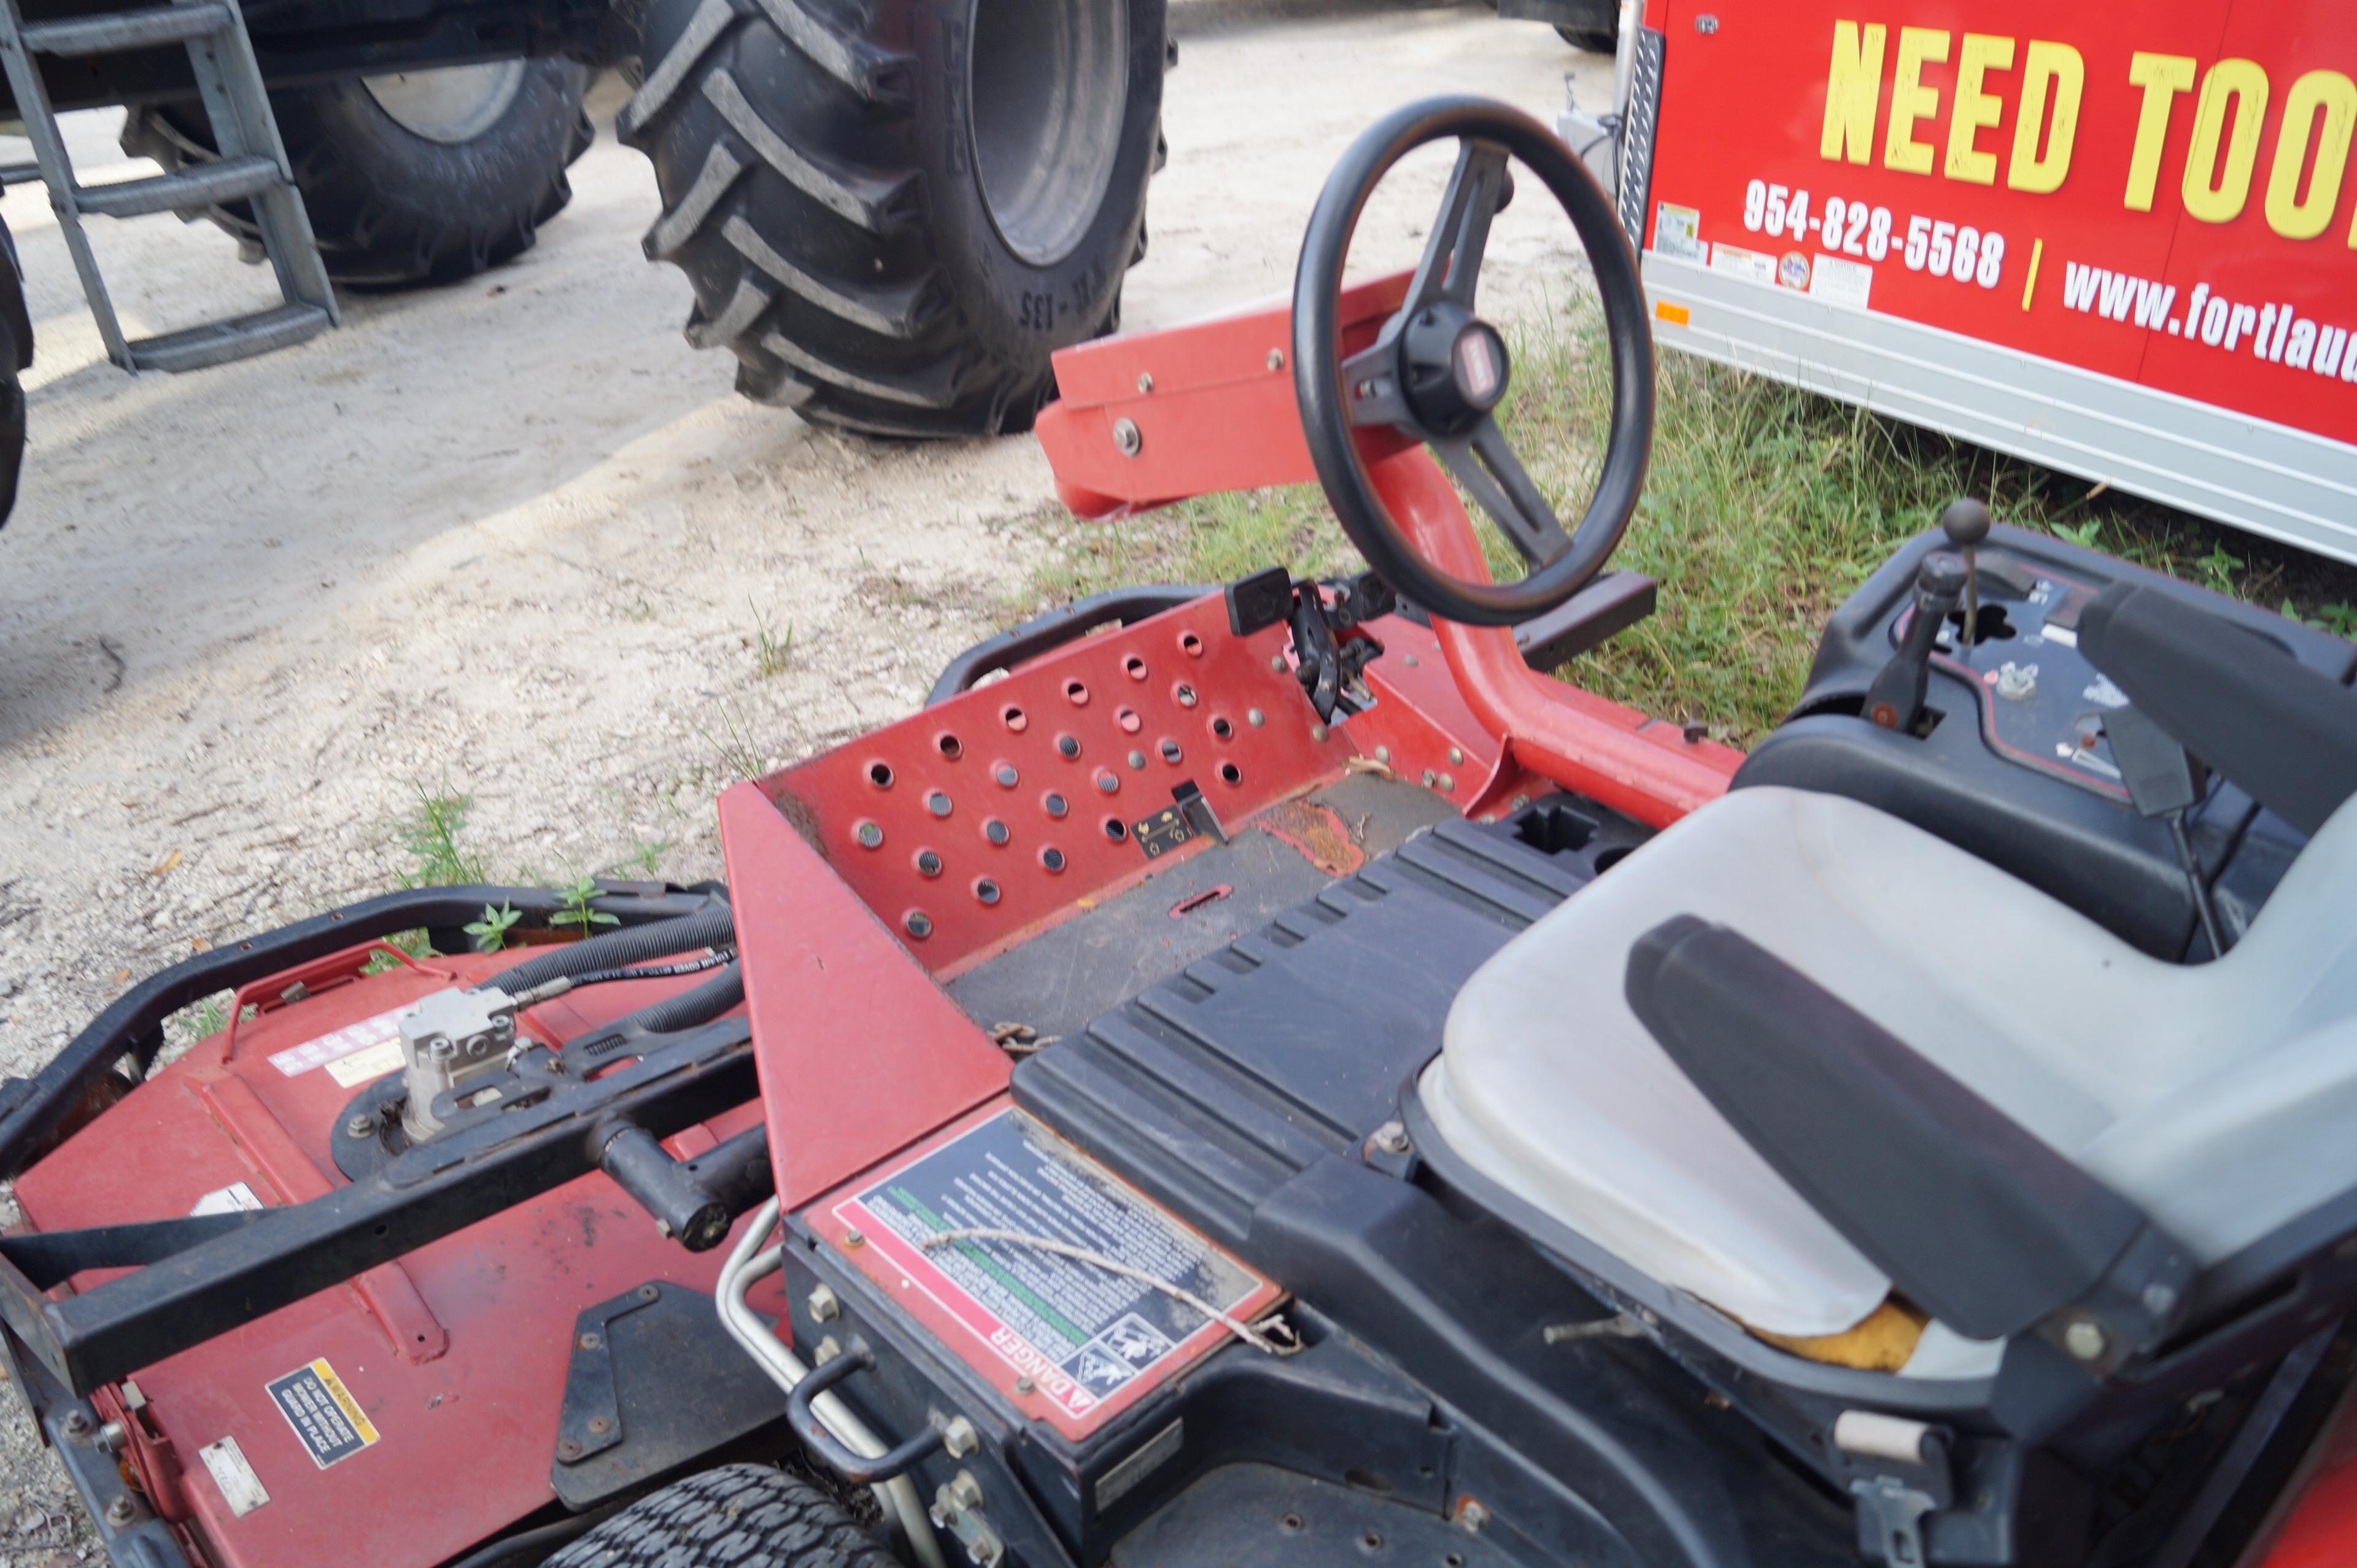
(1973, 1218)
(2237, 701)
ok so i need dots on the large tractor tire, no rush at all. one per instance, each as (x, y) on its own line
(425, 177)
(738, 1516)
(893, 212)
(15, 356)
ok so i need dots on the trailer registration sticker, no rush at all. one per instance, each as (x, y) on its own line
(325, 1416)
(1084, 1339)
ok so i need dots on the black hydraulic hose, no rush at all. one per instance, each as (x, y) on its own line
(699, 1004)
(655, 971)
(712, 928)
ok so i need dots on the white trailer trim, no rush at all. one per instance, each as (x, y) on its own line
(2254, 474)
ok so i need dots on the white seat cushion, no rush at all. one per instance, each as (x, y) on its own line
(2221, 1097)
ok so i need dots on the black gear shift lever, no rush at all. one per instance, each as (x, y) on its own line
(1966, 523)
(1896, 697)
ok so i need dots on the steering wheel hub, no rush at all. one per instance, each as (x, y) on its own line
(1437, 372)
(1453, 368)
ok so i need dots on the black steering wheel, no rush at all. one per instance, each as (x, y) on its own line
(1438, 369)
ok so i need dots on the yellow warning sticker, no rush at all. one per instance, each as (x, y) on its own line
(322, 1412)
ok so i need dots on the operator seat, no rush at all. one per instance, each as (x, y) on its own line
(2220, 1099)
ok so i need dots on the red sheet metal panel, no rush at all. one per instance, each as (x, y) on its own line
(2159, 193)
(968, 826)
(860, 1052)
(456, 1354)
(1211, 407)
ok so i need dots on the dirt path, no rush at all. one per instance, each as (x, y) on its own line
(514, 540)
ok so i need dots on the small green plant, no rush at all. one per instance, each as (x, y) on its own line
(770, 649)
(2220, 566)
(430, 834)
(490, 932)
(412, 942)
(211, 1016)
(2340, 619)
(645, 856)
(576, 912)
(735, 743)
(2078, 532)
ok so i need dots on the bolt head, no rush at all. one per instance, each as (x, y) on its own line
(966, 1491)
(1144, 381)
(77, 1424)
(1277, 662)
(568, 1450)
(361, 1126)
(960, 1439)
(1024, 1385)
(1254, 716)
(600, 1425)
(1126, 439)
(824, 1307)
(1383, 754)
(121, 1510)
(1277, 359)
(1448, 782)
(1456, 758)
(589, 1342)
(1392, 1138)
(853, 1239)
(2085, 1340)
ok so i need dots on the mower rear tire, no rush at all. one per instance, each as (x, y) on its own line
(418, 178)
(738, 1516)
(892, 213)
(1595, 42)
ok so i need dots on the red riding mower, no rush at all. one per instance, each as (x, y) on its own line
(1456, 1122)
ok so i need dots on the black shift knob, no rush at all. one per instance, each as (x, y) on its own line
(1965, 522)
(1895, 699)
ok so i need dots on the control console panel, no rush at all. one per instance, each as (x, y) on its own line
(2007, 754)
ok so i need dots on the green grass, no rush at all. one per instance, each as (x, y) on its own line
(1765, 506)
(430, 835)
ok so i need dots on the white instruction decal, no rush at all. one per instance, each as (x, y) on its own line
(1756, 265)
(1677, 232)
(235, 1199)
(240, 1487)
(296, 1060)
(357, 1069)
(1841, 282)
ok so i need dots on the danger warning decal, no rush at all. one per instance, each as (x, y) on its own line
(323, 1412)
(1081, 1334)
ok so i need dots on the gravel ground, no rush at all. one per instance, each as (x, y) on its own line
(513, 540)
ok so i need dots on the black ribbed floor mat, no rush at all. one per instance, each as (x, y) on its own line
(1214, 1087)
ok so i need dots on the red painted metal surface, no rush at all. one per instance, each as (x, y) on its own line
(1633, 763)
(2321, 1530)
(457, 1352)
(1231, 427)
(860, 1052)
(2170, 213)
(1212, 405)
(968, 826)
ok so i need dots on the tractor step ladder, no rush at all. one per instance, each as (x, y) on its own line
(251, 168)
